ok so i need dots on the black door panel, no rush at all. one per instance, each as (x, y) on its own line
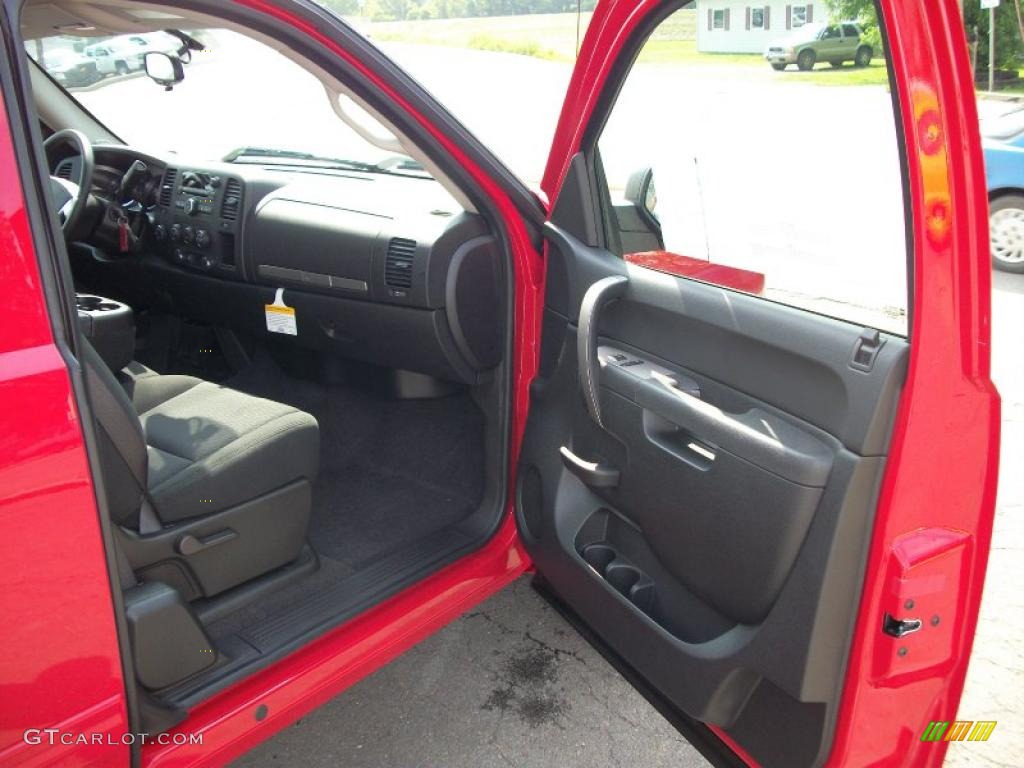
(698, 480)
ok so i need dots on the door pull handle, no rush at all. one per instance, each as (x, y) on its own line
(593, 474)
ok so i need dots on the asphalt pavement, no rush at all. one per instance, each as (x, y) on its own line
(510, 683)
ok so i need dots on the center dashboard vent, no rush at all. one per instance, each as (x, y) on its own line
(232, 200)
(167, 188)
(398, 263)
(64, 170)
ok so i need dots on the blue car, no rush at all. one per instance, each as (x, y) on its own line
(1003, 143)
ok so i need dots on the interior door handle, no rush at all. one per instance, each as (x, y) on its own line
(599, 294)
(593, 474)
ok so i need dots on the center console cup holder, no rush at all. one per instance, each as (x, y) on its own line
(109, 326)
(88, 303)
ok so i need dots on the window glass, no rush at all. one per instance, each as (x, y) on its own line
(743, 159)
(502, 67)
(799, 15)
(240, 101)
(719, 19)
(757, 18)
(850, 30)
(831, 33)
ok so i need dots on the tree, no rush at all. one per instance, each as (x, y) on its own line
(1009, 47)
(1008, 42)
(863, 11)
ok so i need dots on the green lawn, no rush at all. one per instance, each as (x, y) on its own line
(824, 74)
(546, 36)
(553, 37)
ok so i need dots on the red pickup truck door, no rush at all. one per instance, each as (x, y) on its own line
(777, 521)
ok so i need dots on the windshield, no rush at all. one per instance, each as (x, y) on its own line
(240, 100)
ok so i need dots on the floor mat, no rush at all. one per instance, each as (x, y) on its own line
(391, 471)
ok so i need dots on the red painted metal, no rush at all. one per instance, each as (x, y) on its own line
(61, 664)
(700, 269)
(921, 583)
(943, 466)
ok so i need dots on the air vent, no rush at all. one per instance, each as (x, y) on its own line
(167, 188)
(398, 264)
(232, 200)
(64, 170)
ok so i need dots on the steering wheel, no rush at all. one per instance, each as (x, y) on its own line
(70, 197)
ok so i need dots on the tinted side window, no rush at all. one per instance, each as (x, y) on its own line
(733, 179)
(850, 30)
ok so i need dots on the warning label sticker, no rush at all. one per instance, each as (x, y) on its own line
(280, 318)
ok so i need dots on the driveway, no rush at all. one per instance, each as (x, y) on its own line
(507, 684)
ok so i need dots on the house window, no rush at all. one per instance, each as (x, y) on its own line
(718, 19)
(757, 18)
(800, 15)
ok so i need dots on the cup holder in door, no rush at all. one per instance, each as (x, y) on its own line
(598, 556)
(622, 576)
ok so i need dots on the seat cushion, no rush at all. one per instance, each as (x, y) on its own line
(211, 448)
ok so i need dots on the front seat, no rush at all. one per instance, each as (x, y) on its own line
(209, 487)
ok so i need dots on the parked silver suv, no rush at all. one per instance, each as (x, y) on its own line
(811, 43)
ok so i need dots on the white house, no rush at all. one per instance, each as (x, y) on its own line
(737, 26)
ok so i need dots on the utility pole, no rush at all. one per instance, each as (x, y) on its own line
(991, 48)
(991, 5)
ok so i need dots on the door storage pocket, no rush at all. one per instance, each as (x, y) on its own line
(616, 552)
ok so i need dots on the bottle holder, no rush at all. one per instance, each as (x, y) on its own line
(628, 580)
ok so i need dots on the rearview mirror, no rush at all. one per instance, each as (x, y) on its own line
(164, 69)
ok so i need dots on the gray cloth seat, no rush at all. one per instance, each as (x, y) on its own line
(209, 487)
(210, 448)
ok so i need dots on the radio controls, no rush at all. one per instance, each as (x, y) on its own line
(191, 206)
(202, 238)
(175, 233)
(188, 235)
(207, 262)
(160, 233)
(180, 257)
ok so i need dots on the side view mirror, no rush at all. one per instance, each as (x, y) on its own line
(641, 193)
(164, 69)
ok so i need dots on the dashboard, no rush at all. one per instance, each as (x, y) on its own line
(378, 267)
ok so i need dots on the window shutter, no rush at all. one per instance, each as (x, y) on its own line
(789, 17)
(810, 13)
(767, 17)
(748, 17)
(726, 19)
(711, 20)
